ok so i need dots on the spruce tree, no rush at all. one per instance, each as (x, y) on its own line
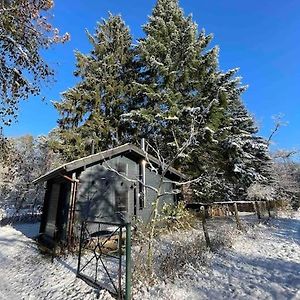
(176, 71)
(179, 76)
(236, 157)
(156, 89)
(90, 111)
(246, 153)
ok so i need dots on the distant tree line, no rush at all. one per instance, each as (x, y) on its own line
(22, 160)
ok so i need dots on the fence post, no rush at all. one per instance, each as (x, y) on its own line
(237, 218)
(120, 293)
(207, 240)
(128, 262)
(269, 208)
(257, 208)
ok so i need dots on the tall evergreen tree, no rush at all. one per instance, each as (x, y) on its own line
(158, 89)
(175, 70)
(245, 152)
(236, 157)
(180, 80)
(90, 111)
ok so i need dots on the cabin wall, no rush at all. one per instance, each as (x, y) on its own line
(45, 206)
(153, 180)
(103, 194)
(63, 209)
(50, 227)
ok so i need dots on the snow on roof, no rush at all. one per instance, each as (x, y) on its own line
(101, 156)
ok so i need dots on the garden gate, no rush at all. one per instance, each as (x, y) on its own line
(105, 257)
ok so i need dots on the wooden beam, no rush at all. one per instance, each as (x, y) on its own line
(206, 235)
(237, 218)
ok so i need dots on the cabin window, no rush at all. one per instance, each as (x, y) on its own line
(141, 198)
(121, 168)
(121, 200)
(121, 191)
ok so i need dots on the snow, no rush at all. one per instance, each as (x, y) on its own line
(29, 275)
(263, 263)
(30, 230)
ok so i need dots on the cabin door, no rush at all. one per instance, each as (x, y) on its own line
(52, 210)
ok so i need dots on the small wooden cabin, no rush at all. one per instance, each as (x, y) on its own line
(97, 188)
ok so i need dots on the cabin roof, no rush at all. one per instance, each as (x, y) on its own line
(128, 150)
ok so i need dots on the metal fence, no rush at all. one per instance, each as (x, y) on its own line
(21, 218)
(104, 260)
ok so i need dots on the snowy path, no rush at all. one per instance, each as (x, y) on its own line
(26, 274)
(263, 263)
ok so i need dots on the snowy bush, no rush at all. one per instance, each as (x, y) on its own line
(223, 237)
(182, 254)
(258, 191)
(176, 217)
(172, 255)
(173, 219)
(176, 252)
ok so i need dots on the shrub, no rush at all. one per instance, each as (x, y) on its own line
(223, 237)
(177, 217)
(182, 254)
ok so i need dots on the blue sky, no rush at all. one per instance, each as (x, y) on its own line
(260, 37)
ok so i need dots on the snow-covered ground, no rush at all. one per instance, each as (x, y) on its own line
(264, 263)
(27, 274)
